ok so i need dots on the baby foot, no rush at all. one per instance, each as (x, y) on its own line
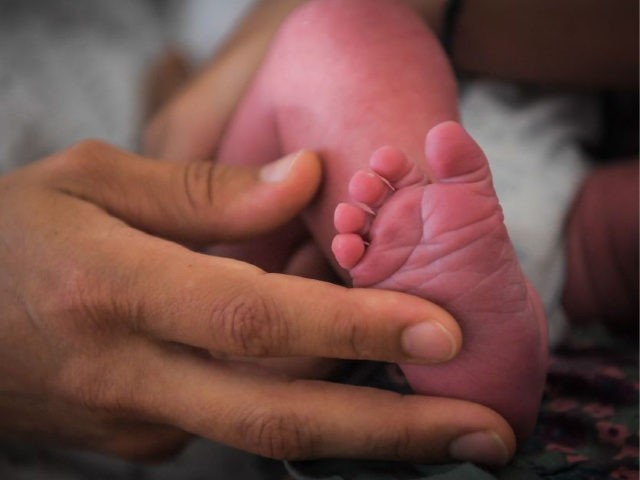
(446, 241)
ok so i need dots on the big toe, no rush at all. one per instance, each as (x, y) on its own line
(453, 156)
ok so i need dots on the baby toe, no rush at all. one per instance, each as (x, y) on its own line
(348, 249)
(395, 168)
(349, 218)
(368, 188)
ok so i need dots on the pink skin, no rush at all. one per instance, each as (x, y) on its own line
(344, 77)
(445, 240)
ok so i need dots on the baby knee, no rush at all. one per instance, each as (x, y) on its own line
(343, 20)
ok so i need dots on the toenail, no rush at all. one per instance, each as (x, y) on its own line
(485, 447)
(429, 341)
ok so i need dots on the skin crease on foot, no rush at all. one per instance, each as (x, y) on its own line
(445, 240)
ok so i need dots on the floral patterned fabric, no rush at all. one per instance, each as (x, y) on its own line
(587, 428)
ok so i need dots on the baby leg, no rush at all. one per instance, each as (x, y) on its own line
(345, 77)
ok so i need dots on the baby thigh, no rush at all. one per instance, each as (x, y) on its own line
(344, 77)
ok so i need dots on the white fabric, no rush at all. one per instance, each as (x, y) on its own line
(533, 141)
(71, 70)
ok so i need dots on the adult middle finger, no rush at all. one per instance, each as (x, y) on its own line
(293, 419)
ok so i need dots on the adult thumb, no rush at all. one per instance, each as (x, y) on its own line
(195, 202)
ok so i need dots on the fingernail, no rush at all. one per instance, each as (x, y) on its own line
(278, 170)
(428, 341)
(484, 447)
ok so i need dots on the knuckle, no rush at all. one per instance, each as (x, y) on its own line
(85, 153)
(87, 383)
(401, 444)
(68, 300)
(199, 186)
(90, 374)
(101, 381)
(279, 435)
(406, 440)
(85, 159)
(400, 441)
(90, 146)
(249, 325)
(356, 338)
(80, 301)
(208, 187)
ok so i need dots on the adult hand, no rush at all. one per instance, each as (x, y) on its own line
(107, 323)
